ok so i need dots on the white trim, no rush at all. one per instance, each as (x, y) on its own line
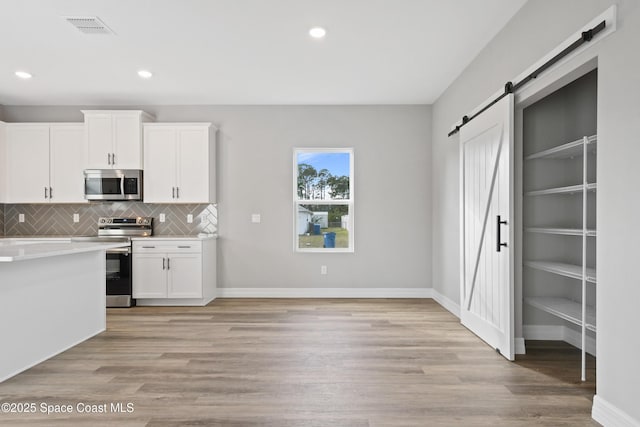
(325, 292)
(446, 303)
(558, 333)
(574, 338)
(348, 202)
(174, 302)
(609, 16)
(543, 332)
(609, 415)
(454, 308)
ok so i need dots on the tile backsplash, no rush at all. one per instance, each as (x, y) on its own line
(57, 220)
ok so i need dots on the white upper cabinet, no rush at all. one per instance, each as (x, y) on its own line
(66, 163)
(179, 163)
(160, 164)
(3, 163)
(44, 163)
(114, 138)
(28, 167)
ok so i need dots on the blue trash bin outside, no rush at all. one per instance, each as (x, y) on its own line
(330, 240)
(316, 229)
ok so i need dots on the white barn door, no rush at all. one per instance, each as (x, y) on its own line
(486, 283)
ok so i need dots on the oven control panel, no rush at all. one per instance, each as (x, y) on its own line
(141, 220)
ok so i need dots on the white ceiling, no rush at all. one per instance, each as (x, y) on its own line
(242, 51)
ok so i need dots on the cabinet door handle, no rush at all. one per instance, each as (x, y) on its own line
(163, 267)
(46, 194)
(109, 158)
(499, 245)
(184, 247)
(50, 193)
(168, 263)
(113, 158)
(177, 192)
(148, 247)
(173, 192)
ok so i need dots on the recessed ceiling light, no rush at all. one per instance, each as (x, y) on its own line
(145, 74)
(317, 32)
(23, 75)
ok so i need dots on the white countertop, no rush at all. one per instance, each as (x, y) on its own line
(20, 252)
(32, 239)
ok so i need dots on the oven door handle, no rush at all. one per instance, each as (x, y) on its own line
(119, 251)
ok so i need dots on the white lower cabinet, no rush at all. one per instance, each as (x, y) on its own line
(174, 272)
(150, 275)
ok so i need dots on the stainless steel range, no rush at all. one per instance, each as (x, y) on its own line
(119, 259)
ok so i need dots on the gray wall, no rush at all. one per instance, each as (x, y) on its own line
(392, 184)
(535, 30)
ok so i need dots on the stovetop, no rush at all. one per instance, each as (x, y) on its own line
(109, 239)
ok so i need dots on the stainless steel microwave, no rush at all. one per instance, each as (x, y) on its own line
(113, 184)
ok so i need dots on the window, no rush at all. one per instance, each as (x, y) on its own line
(323, 199)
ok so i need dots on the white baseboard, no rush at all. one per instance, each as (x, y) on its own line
(173, 302)
(543, 332)
(454, 308)
(446, 302)
(558, 333)
(324, 292)
(610, 416)
(574, 338)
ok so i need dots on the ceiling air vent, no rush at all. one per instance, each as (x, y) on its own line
(88, 24)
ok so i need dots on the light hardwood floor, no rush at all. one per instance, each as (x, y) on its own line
(297, 362)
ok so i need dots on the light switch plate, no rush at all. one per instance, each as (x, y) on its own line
(189, 218)
(323, 269)
(20, 217)
(76, 217)
(163, 218)
(255, 218)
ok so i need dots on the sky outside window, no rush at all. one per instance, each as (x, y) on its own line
(336, 163)
(323, 175)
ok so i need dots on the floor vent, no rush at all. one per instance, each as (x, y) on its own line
(88, 24)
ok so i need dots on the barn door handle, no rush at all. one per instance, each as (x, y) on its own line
(499, 245)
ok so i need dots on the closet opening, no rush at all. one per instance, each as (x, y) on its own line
(557, 260)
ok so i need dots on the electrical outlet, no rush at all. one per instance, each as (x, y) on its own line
(76, 217)
(163, 218)
(20, 217)
(255, 218)
(189, 218)
(323, 269)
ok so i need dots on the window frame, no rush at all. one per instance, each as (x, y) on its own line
(348, 202)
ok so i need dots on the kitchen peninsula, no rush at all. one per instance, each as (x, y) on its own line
(52, 297)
